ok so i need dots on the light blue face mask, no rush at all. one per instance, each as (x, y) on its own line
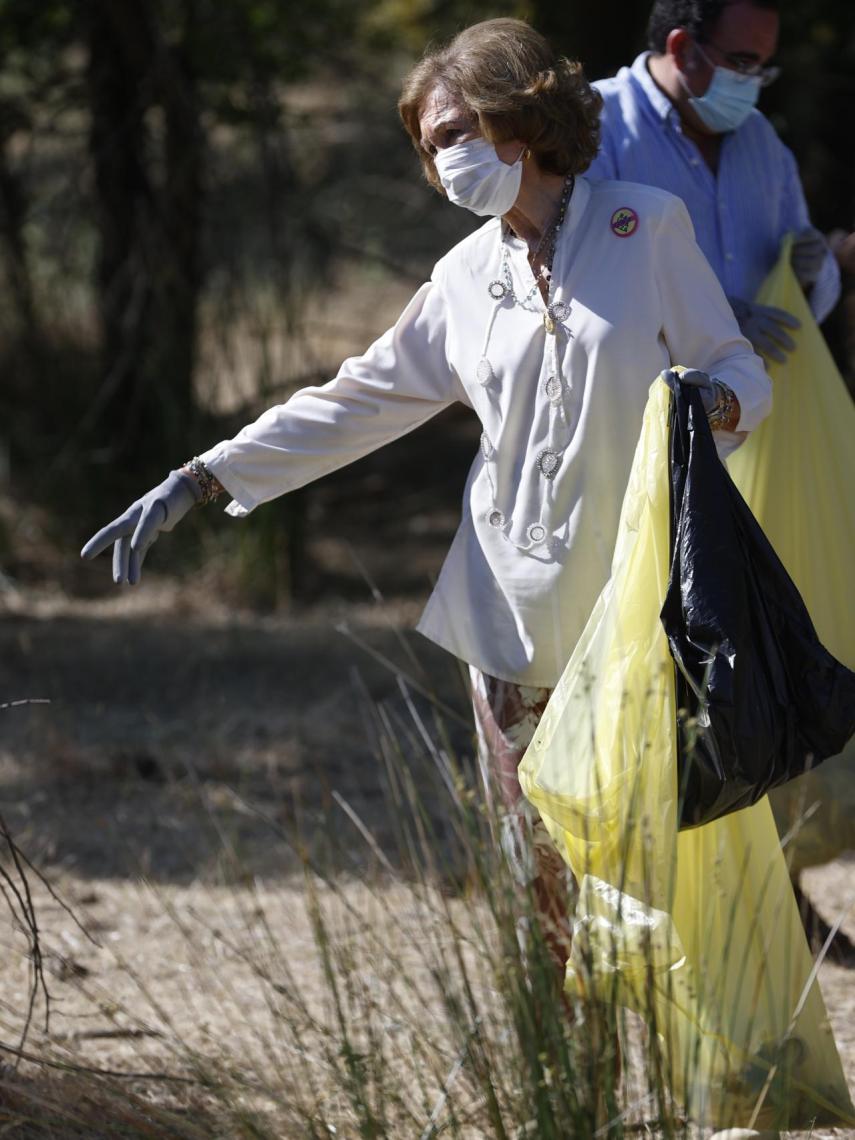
(729, 99)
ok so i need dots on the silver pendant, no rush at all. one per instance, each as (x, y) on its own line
(548, 461)
(536, 533)
(496, 519)
(559, 311)
(497, 290)
(486, 446)
(484, 371)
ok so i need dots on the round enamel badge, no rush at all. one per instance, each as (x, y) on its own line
(624, 222)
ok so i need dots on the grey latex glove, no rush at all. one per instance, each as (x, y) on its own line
(696, 379)
(133, 532)
(808, 252)
(726, 442)
(766, 327)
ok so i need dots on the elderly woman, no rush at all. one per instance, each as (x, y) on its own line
(550, 322)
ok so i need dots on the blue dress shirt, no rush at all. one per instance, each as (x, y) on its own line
(740, 213)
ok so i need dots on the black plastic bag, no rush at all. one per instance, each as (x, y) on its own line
(761, 700)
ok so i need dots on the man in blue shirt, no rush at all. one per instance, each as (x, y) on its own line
(683, 118)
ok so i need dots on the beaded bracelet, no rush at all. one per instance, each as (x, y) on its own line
(207, 482)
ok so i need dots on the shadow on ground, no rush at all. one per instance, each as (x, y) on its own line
(171, 747)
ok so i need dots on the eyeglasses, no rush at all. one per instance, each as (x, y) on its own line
(741, 65)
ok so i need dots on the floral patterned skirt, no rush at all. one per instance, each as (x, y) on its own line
(506, 716)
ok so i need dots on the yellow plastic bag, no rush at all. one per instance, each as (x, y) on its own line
(797, 473)
(697, 931)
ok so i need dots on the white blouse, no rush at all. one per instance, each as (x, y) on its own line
(561, 412)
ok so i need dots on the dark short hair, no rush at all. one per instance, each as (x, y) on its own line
(698, 17)
(509, 77)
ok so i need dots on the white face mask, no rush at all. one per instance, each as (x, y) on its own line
(474, 176)
(729, 99)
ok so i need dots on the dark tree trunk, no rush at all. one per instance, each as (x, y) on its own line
(117, 98)
(148, 274)
(13, 210)
(163, 406)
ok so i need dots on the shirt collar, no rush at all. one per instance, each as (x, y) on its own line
(657, 99)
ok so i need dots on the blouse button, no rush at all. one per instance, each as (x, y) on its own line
(548, 461)
(484, 371)
(553, 389)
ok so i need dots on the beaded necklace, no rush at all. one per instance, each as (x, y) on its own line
(553, 314)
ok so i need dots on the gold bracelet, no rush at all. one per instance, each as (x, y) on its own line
(725, 415)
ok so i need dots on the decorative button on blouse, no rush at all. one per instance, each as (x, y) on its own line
(484, 371)
(554, 389)
(548, 461)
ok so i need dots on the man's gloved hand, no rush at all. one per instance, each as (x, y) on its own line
(135, 530)
(808, 252)
(765, 326)
(697, 379)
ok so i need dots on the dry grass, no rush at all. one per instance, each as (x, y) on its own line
(258, 960)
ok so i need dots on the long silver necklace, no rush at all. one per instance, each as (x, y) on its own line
(553, 314)
(504, 285)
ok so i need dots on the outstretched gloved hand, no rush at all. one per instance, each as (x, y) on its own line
(765, 326)
(133, 532)
(808, 252)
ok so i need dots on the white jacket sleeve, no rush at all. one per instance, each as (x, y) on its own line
(402, 380)
(698, 324)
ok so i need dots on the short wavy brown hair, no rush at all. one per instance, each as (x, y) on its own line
(507, 74)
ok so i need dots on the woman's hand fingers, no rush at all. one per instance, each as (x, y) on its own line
(671, 377)
(135, 561)
(110, 533)
(121, 558)
(147, 530)
(696, 378)
(150, 522)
